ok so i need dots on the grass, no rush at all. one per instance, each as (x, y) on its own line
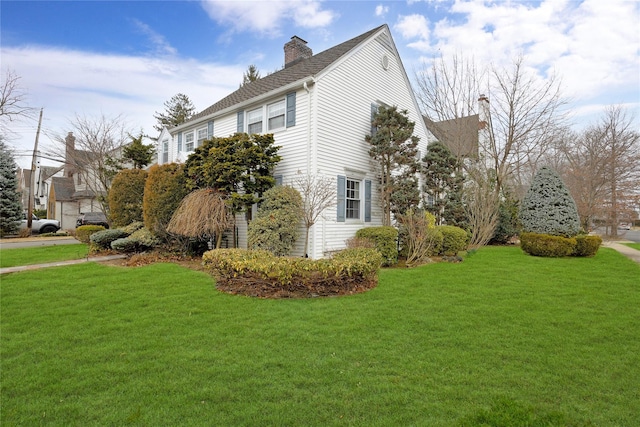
(41, 254)
(500, 339)
(633, 245)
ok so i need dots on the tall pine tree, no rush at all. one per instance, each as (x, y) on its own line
(178, 110)
(10, 205)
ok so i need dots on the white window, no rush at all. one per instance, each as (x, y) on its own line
(202, 136)
(188, 141)
(353, 199)
(254, 121)
(275, 114)
(165, 151)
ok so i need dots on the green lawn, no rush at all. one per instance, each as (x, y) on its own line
(501, 339)
(633, 245)
(41, 254)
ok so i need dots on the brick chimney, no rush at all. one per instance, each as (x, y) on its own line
(296, 50)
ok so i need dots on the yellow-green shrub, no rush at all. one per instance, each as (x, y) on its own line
(454, 239)
(385, 239)
(84, 232)
(587, 246)
(546, 245)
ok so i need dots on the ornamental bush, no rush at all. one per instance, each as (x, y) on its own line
(546, 245)
(139, 241)
(261, 273)
(164, 189)
(84, 232)
(587, 246)
(454, 239)
(548, 208)
(126, 195)
(133, 227)
(102, 239)
(276, 226)
(385, 239)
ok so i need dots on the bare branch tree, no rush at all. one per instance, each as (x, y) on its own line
(13, 101)
(93, 148)
(318, 194)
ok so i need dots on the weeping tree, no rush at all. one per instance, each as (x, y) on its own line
(202, 214)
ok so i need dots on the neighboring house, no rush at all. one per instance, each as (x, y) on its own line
(72, 193)
(319, 108)
(41, 184)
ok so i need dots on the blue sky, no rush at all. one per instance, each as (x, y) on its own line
(129, 57)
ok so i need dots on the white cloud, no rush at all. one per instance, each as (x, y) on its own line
(162, 47)
(267, 16)
(414, 27)
(93, 84)
(381, 10)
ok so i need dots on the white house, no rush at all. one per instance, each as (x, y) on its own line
(319, 109)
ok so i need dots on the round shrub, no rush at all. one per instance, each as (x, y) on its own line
(587, 246)
(125, 245)
(454, 239)
(139, 241)
(548, 208)
(102, 239)
(84, 232)
(546, 245)
(385, 239)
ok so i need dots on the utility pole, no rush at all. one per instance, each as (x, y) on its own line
(33, 175)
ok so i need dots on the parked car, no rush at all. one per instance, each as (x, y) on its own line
(92, 218)
(624, 226)
(40, 226)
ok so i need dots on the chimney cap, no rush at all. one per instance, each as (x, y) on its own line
(298, 38)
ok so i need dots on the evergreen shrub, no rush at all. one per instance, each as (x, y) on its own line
(454, 240)
(546, 245)
(133, 227)
(102, 239)
(548, 208)
(587, 246)
(139, 241)
(84, 232)
(386, 242)
(126, 196)
(164, 189)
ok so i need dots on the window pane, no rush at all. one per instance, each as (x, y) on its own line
(255, 127)
(275, 113)
(188, 141)
(353, 199)
(254, 121)
(276, 122)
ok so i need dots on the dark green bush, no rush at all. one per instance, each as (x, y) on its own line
(163, 191)
(102, 239)
(454, 239)
(84, 232)
(546, 245)
(260, 273)
(385, 239)
(587, 246)
(126, 195)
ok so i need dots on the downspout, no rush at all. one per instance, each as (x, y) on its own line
(305, 86)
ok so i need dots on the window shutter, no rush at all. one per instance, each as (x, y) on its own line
(291, 109)
(180, 142)
(374, 111)
(210, 129)
(240, 121)
(278, 179)
(342, 198)
(367, 200)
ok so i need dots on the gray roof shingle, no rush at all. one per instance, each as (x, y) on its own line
(304, 68)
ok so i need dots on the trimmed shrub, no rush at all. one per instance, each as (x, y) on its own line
(260, 273)
(386, 242)
(163, 191)
(84, 232)
(587, 246)
(548, 208)
(126, 195)
(102, 239)
(139, 241)
(454, 239)
(276, 226)
(546, 245)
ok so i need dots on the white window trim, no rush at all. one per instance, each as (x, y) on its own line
(187, 143)
(255, 122)
(359, 198)
(199, 140)
(283, 108)
(264, 116)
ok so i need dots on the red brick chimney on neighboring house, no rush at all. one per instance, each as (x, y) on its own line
(296, 50)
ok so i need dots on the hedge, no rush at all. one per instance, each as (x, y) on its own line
(84, 232)
(385, 239)
(260, 273)
(454, 239)
(546, 245)
(587, 246)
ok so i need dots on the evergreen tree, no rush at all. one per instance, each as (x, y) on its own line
(548, 208)
(443, 183)
(251, 75)
(178, 110)
(394, 148)
(10, 204)
(164, 189)
(126, 196)
(138, 153)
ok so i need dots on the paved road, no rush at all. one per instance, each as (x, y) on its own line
(28, 242)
